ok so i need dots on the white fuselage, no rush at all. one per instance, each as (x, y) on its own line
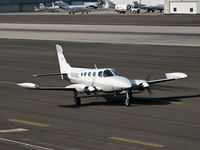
(106, 80)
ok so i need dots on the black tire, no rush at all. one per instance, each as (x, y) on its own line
(77, 101)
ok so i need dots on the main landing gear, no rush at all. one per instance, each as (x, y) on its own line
(128, 100)
(129, 97)
(77, 99)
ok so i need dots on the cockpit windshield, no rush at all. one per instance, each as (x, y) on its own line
(116, 73)
(107, 73)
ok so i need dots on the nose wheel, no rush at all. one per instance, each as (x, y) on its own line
(77, 99)
(129, 98)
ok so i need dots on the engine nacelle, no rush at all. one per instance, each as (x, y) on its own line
(89, 89)
(82, 88)
(139, 84)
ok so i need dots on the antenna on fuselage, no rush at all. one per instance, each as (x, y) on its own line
(95, 66)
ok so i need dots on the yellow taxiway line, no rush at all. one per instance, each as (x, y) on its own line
(13, 130)
(136, 142)
(29, 123)
(176, 102)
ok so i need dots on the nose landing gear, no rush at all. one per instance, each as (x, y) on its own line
(129, 97)
(77, 99)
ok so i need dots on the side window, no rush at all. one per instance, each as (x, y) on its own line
(85, 73)
(94, 74)
(100, 74)
(89, 74)
(191, 9)
(107, 73)
(174, 9)
(81, 74)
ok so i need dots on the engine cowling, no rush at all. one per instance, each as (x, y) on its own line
(82, 88)
(139, 84)
(89, 89)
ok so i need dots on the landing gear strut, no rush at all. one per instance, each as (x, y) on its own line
(129, 97)
(77, 99)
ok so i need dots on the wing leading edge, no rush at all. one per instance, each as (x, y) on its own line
(81, 88)
(36, 87)
(170, 77)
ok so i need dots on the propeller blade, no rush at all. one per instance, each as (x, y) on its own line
(148, 77)
(149, 91)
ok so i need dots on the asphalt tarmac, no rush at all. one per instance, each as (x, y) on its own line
(168, 119)
(105, 19)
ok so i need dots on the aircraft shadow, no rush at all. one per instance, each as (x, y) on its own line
(118, 100)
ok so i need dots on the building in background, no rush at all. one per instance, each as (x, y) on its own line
(182, 7)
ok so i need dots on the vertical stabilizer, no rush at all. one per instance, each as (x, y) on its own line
(64, 65)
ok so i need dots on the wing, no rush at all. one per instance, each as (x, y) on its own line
(37, 87)
(170, 77)
(143, 84)
(81, 88)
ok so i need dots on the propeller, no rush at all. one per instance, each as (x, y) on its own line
(148, 77)
(144, 85)
(148, 88)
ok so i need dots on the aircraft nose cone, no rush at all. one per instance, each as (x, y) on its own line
(125, 84)
(122, 83)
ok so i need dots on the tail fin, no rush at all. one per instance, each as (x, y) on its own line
(41, 6)
(136, 4)
(64, 65)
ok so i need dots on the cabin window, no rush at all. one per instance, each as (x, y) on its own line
(174, 9)
(85, 73)
(89, 74)
(81, 74)
(107, 73)
(100, 74)
(191, 9)
(94, 74)
(116, 73)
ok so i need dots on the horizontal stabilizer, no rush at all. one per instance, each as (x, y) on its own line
(49, 74)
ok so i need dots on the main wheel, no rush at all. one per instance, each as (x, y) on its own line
(128, 102)
(77, 101)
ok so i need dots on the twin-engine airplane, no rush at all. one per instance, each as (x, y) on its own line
(72, 9)
(106, 80)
